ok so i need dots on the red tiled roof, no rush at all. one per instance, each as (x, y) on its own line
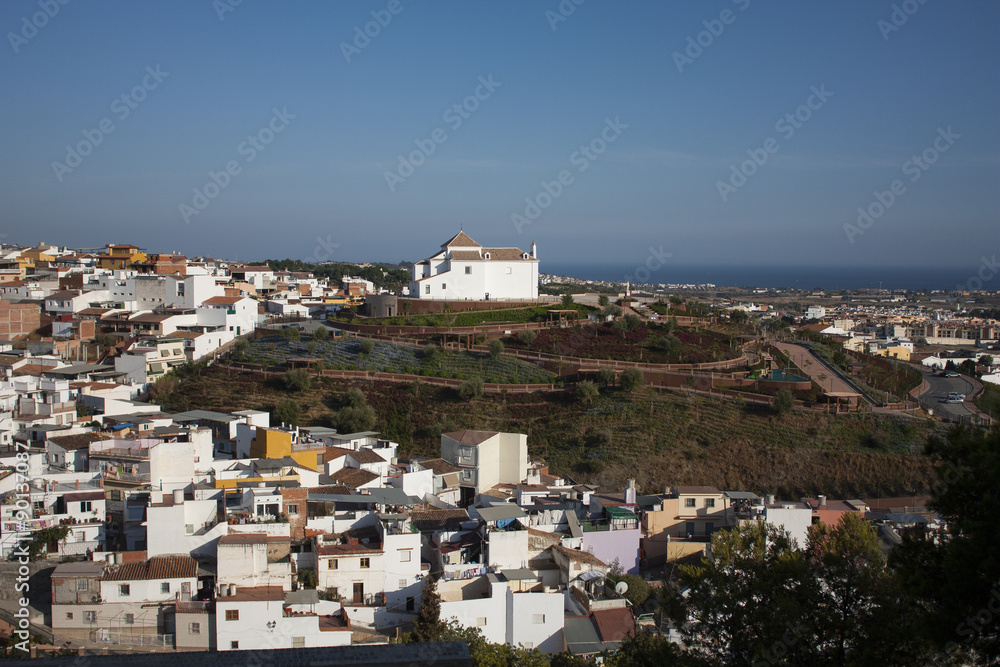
(614, 625)
(157, 567)
(461, 239)
(469, 437)
(439, 466)
(243, 538)
(579, 556)
(254, 594)
(353, 477)
(697, 489)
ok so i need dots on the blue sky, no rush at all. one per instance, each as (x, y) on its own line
(319, 189)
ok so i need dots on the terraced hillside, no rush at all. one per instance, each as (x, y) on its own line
(660, 439)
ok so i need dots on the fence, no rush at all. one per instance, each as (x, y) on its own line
(120, 638)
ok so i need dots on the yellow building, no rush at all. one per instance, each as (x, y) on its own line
(32, 256)
(121, 257)
(274, 443)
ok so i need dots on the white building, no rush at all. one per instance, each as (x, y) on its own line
(464, 269)
(815, 313)
(486, 458)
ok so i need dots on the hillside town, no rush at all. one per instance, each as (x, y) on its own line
(164, 530)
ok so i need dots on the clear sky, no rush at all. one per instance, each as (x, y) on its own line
(331, 111)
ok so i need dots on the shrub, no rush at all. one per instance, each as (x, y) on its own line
(297, 380)
(431, 352)
(354, 397)
(567, 300)
(287, 412)
(496, 348)
(354, 419)
(240, 347)
(471, 389)
(606, 377)
(367, 345)
(527, 337)
(587, 392)
(631, 379)
(784, 401)
(321, 333)
(290, 333)
(603, 300)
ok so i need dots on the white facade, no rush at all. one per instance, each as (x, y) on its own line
(464, 269)
(795, 517)
(533, 620)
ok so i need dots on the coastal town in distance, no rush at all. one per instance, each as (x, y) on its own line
(535, 333)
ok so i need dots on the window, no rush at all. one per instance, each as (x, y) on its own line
(234, 645)
(481, 621)
(165, 587)
(402, 583)
(709, 502)
(69, 616)
(366, 563)
(124, 590)
(194, 628)
(83, 584)
(709, 527)
(116, 495)
(85, 506)
(232, 614)
(189, 529)
(508, 270)
(293, 509)
(444, 286)
(538, 619)
(90, 616)
(298, 642)
(405, 555)
(689, 502)
(427, 289)
(129, 619)
(468, 270)
(333, 563)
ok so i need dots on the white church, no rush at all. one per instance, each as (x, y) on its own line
(464, 269)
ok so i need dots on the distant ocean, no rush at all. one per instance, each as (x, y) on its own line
(808, 278)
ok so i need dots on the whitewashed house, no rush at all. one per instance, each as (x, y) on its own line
(464, 269)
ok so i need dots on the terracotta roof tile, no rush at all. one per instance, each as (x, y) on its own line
(157, 567)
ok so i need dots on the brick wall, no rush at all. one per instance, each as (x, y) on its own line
(18, 319)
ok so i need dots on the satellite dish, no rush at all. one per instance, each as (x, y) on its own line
(621, 588)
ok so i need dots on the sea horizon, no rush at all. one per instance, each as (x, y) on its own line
(777, 277)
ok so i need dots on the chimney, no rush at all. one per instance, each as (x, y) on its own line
(178, 496)
(232, 590)
(769, 498)
(534, 250)
(630, 491)
(822, 500)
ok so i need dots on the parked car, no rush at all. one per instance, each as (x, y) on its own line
(951, 374)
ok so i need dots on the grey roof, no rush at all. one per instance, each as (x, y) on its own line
(499, 512)
(207, 415)
(581, 636)
(574, 524)
(80, 369)
(390, 496)
(341, 498)
(741, 495)
(519, 574)
(352, 436)
(305, 596)
(84, 568)
(274, 464)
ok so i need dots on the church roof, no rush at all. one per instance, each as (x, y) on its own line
(460, 240)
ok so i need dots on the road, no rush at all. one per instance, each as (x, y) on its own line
(934, 399)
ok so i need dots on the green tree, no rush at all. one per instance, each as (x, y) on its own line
(652, 649)
(631, 379)
(668, 344)
(240, 347)
(567, 300)
(321, 333)
(612, 310)
(638, 589)
(603, 300)
(587, 392)
(955, 578)
(784, 401)
(366, 345)
(739, 317)
(287, 412)
(311, 347)
(290, 333)
(431, 352)
(354, 397)
(297, 380)
(496, 348)
(427, 626)
(606, 377)
(527, 337)
(751, 603)
(471, 389)
(356, 418)
(855, 595)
